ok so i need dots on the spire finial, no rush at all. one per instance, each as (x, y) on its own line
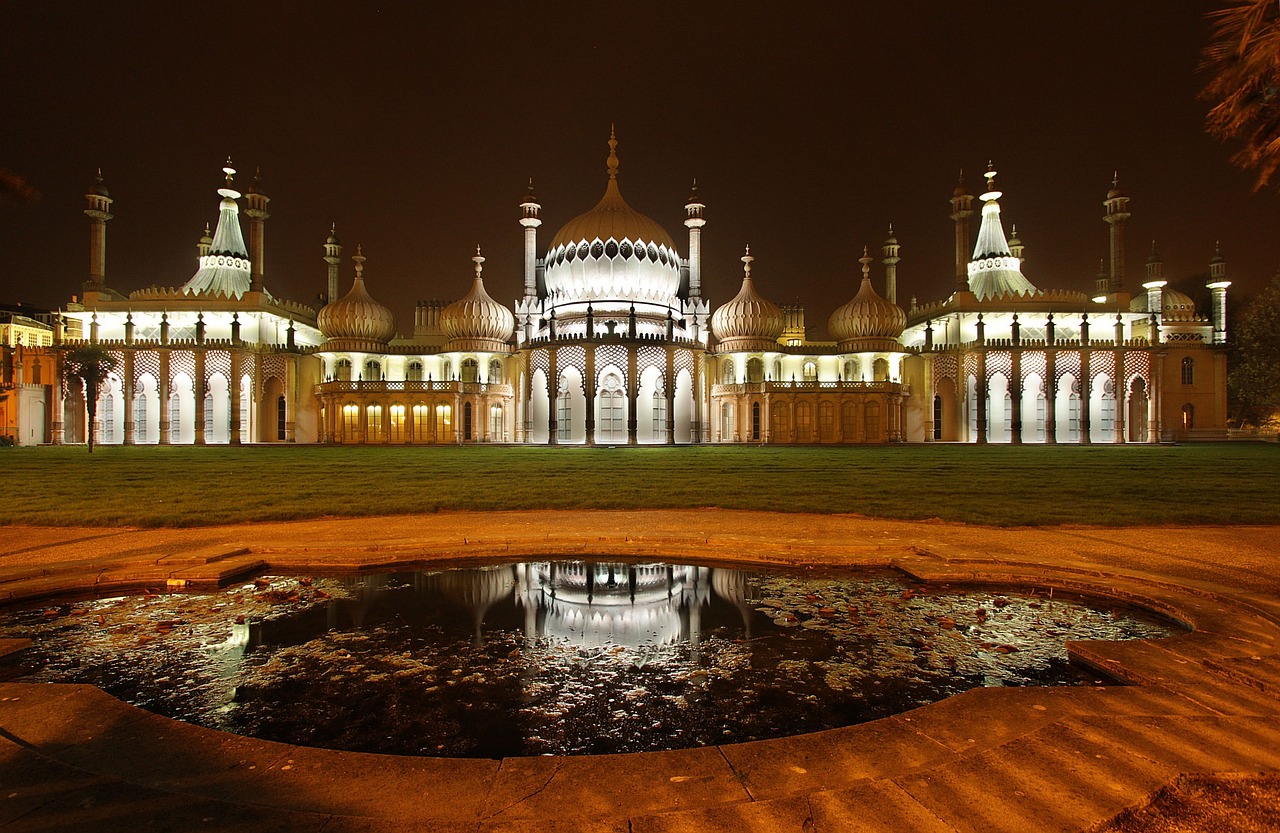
(229, 171)
(359, 259)
(612, 162)
(990, 175)
(746, 264)
(865, 260)
(478, 260)
(1115, 179)
(207, 231)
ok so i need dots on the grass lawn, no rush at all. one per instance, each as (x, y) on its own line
(1223, 483)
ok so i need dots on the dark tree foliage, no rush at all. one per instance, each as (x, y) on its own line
(1253, 378)
(1243, 64)
(90, 366)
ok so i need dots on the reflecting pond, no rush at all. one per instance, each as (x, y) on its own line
(559, 657)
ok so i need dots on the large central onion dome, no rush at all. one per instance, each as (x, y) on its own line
(748, 322)
(612, 256)
(356, 321)
(868, 322)
(477, 322)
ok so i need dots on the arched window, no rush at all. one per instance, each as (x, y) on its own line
(446, 370)
(350, 422)
(1188, 371)
(755, 421)
(470, 370)
(804, 422)
(444, 423)
(826, 422)
(175, 419)
(564, 412)
(810, 371)
(343, 370)
(727, 374)
(421, 422)
(373, 423)
(850, 371)
(755, 371)
(108, 411)
(659, 412)
(726, 422)
(1073, 413)
(495, 372)
(466, 419)
(208, 416)
(871, 420)
(497, 426)
(413, 373)
(1041, 406)
(372, 371)
(1188, 417)
(396, 413)
(1108, 414)
(849, 420)
(777, 371)
(612, 426)
(880, 370)
(140, 419)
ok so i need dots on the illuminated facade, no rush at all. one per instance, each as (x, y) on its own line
(613, 343)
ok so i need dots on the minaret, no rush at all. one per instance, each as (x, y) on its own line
(256, 211)
(694, 222)
(1218, 284)
(1015, 246)
(205, 244)
(98, 213)
(1154, 285)
(529, 220)
(961, 211)
(1117, 205)
(333, 257)
(1102, 283)
(890, 261)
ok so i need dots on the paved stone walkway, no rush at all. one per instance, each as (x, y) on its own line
(1059, 759)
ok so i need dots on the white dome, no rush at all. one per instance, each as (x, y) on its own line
(356, 321)
(748, 321)
(612, 256)
(476, 321)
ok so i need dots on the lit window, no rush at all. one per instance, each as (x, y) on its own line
(1188, 371)
(810, 371)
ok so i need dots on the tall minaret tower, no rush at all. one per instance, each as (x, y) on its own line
(1117, 205)
(529, 220)
(333, 257)
(961, 211)
(256, 211)
(98, 213)
(694, 221)
(891, 259)
(205, 244)
(1218, 284)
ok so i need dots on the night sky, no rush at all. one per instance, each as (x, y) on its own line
(415, 127)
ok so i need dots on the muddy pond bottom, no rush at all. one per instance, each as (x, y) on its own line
(559, 657)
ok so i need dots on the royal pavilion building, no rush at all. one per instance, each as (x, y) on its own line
(612, 343)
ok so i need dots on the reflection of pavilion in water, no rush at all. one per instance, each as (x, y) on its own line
(588, 604)
(592, 604)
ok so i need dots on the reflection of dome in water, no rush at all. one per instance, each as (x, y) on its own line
(619, 604)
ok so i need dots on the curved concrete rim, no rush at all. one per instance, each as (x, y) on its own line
(1045, 758)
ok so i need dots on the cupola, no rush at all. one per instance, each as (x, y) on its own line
(748, 321)
(356, 321)
(868, 322)
(476, 321)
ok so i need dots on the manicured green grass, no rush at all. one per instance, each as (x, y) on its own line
(1223, 483)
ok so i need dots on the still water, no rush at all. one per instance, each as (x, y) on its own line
(559, 657)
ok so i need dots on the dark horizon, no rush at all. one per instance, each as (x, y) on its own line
(415, 129)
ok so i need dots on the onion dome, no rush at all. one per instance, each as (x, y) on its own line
(356, 321)
(476, 321)
(868, 322)
(97, 188)
(748, 322)
(1177, 306)
(612, 253)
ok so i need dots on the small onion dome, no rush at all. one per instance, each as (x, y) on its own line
(97, 188)
(748, 322)
(356, 321)
(868, 322)
(1177, 306)
(476, 321)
